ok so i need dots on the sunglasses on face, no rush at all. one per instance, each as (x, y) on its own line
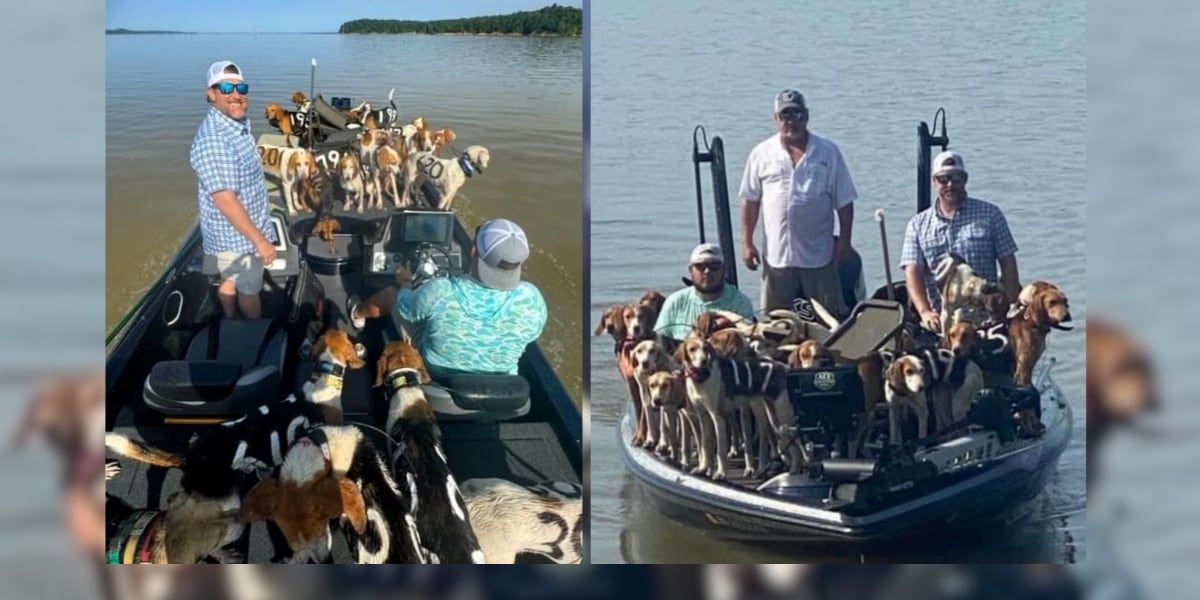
(707, 267)
(793, 115)
(227, 88)
(949, 177)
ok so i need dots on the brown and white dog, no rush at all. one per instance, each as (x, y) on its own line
(389, 165)
(441, 513)
(677, 425)
(357, 189)
(629, 324)
(447, 175)
(300, 100)
(442, 138)
(1040, 307)
(334, 353)
(289, 123)
(904, 389)
(295, 169)
(810, 354)
(962, 292)
(648, 357)
(715, 389)
(511, 520)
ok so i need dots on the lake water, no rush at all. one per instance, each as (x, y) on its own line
(520, 97)
(1012, 78)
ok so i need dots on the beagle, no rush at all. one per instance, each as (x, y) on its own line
(289, 123)
(442, 518)
(511, 520)
(716, 386)
(678, 425)
(442, 138)
(333, 353)
(1040, 307)
(390, 160)
(649, 357)
(447, 175)
(369, 118)
(903, 388)
(349, 173)
(301, 101)
(297, 171)
(810, 354)
(962, 291)
(629, 324)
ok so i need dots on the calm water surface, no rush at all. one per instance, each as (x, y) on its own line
(1012, 78)
(520, 97)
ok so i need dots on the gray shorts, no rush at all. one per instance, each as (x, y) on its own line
(782, 285)
(246, 270)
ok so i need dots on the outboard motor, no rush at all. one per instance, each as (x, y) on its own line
(826, 400)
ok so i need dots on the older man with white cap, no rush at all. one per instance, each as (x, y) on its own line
(706, 291)
(234, 213)
(477, 323)
(797, 181)
(956, 223)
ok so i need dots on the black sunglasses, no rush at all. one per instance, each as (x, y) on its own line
(227, 88)
(955, 177)
(793, 115)
(708, 267)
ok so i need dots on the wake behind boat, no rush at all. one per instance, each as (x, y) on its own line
(175, 368)
(836, 476)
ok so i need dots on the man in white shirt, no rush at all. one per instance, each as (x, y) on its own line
(797, 180)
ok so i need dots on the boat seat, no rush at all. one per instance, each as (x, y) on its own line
(230, 366)
(472, 397)
(870, 325)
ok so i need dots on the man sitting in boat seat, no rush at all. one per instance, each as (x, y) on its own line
(475, 323)
(973, 229)
(706, 291)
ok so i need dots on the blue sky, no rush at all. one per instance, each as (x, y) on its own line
(296, 15)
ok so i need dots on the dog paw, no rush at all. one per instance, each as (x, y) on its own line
(750, 473)
(112, 468)
(662, 449)
(719, 475)
(699, 470)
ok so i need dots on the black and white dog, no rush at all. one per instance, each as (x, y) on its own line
(442, 516)
(513, 520)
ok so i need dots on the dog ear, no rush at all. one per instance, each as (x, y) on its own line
(340, 496)
(262, 503)
(605, 319)
(381, 366)
(318, 347)
(888, 357)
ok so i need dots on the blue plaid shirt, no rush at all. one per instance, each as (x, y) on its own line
(978, 233)
(225, 158)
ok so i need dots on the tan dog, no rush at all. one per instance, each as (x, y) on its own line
(613, 323)
(1040, 307)
(334, 353)
(296, 170)
(442, 138)
(649, 357)
(447, 175)
(654, 300)
(903, 388)
(349, 171)
(300, 100)
(810, 354)
(286, 121)
(677, 425)
(389, 163)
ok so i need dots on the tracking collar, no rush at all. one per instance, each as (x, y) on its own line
(132, 543)
(697, 375)
(329, 368)
(402, 378)
(468, 170)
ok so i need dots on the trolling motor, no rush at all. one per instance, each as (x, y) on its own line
(714, 155)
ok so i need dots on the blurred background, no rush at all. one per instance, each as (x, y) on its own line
(1143, 124)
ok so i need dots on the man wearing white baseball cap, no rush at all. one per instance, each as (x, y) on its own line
(234, 211)
(476, 323)
(956, 223)
(798, 180)
(706, 291)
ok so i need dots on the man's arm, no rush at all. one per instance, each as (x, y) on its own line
(1010, 281)
(845, 229)
(914, 280)
(227, 202)
(749, 223)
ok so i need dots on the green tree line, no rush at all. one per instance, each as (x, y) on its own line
(551, 20)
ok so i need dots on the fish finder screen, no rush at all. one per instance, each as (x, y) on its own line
(423, 227)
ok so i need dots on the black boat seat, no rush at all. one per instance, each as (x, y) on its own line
(229, 367)
(471, 397)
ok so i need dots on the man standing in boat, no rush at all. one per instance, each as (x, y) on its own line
(479, 323)
(797, 180)
(707, 292)
(234, 212)
(971, 228)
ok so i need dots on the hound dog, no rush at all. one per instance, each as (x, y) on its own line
(442, 138)
(732, 344)
(368, 118)
(390, 161)
(962, 292)
(953, 395)
(668, 395)
(334, 353)
(629, 324)
(295, 169)
(335, 472)
(289, 123)
(649, 357)
(512, 520)
(447, 175)
(300, 101)
(903, 388)
(350, 173)
(1040, 307)
(442, 518)
(716, 386)
(325, 228)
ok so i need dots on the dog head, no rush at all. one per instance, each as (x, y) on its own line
(303, 511)
(666, 389)
(1047, 305)
(298, 98)
(729, 343)
(653, 299)
(649, 357)
(638, 321)
(810, 354)
(957, 281)
(335, 345)
(905, 373)
(443, 137)
(478, 157)
(400, 355)
(960, 339)
(348, 167)
(697, 353)
(612, 322)
(275, 113)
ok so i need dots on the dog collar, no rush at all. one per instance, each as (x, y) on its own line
(697, 375)
(329, 369)
(317, 436)
(132, 543)
(402, 378)
(468, 170)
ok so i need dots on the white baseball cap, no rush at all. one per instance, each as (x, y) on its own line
(707, 253)
(948, 162)
(502, 248)
(216, 72)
